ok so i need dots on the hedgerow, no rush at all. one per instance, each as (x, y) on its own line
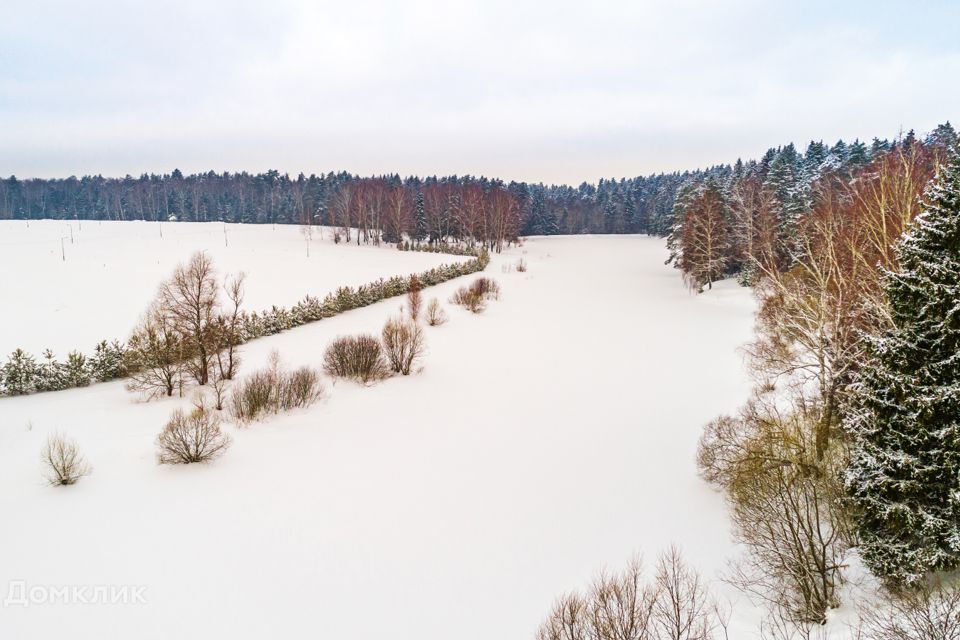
(22, 373)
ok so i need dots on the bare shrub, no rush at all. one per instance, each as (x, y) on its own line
(404, 344)
(253, 396)
(435, 313)
(414, 298)
(62, 461)
(191, 437)
(521, 265)
(301, 388)
(356, 357)
(487, 288)
(675, 605)
(475, 296)
(930, 612)
(469, 299)
(273, 389)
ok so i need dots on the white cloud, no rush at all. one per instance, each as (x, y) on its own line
(557, 91)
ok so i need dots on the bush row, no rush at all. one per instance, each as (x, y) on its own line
(23, 373)
(311, 309)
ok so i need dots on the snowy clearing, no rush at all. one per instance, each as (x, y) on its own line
(547, 437)
(112, 270)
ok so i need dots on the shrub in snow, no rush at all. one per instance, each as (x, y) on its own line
(486, 287)
(274, 389)
(62, 461)
(191, 437)
(475, 296)
(435, 313)
(521, 265)
(469, 299)
(359, 358)
(404, 344)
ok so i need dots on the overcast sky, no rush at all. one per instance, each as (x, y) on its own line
(546, 90)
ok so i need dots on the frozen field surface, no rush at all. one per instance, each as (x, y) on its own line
(545, 438)
(112, 270)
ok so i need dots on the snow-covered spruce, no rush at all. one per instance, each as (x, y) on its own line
(904, 475)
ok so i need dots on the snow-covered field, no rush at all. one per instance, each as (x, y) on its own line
(96, 286)
(550, 436)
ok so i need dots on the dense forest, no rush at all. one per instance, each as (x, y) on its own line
(762, 215)
(384, 207)
(466, 208)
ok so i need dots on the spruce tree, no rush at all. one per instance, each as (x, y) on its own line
(419, 218)
(904, 473)
(541, 221)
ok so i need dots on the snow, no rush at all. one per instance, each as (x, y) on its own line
(548, 437)
(57, 308)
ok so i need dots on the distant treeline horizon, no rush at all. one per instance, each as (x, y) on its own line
(388, 207)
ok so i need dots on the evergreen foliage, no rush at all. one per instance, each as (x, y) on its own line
(904, 475)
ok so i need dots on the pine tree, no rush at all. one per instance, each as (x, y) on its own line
(107, 362)
(76, 370)
(904, 474)
(19, 375)
(50, 374)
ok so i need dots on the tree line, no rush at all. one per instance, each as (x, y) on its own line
(747, 218)
(475, 210)
(434, 209)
